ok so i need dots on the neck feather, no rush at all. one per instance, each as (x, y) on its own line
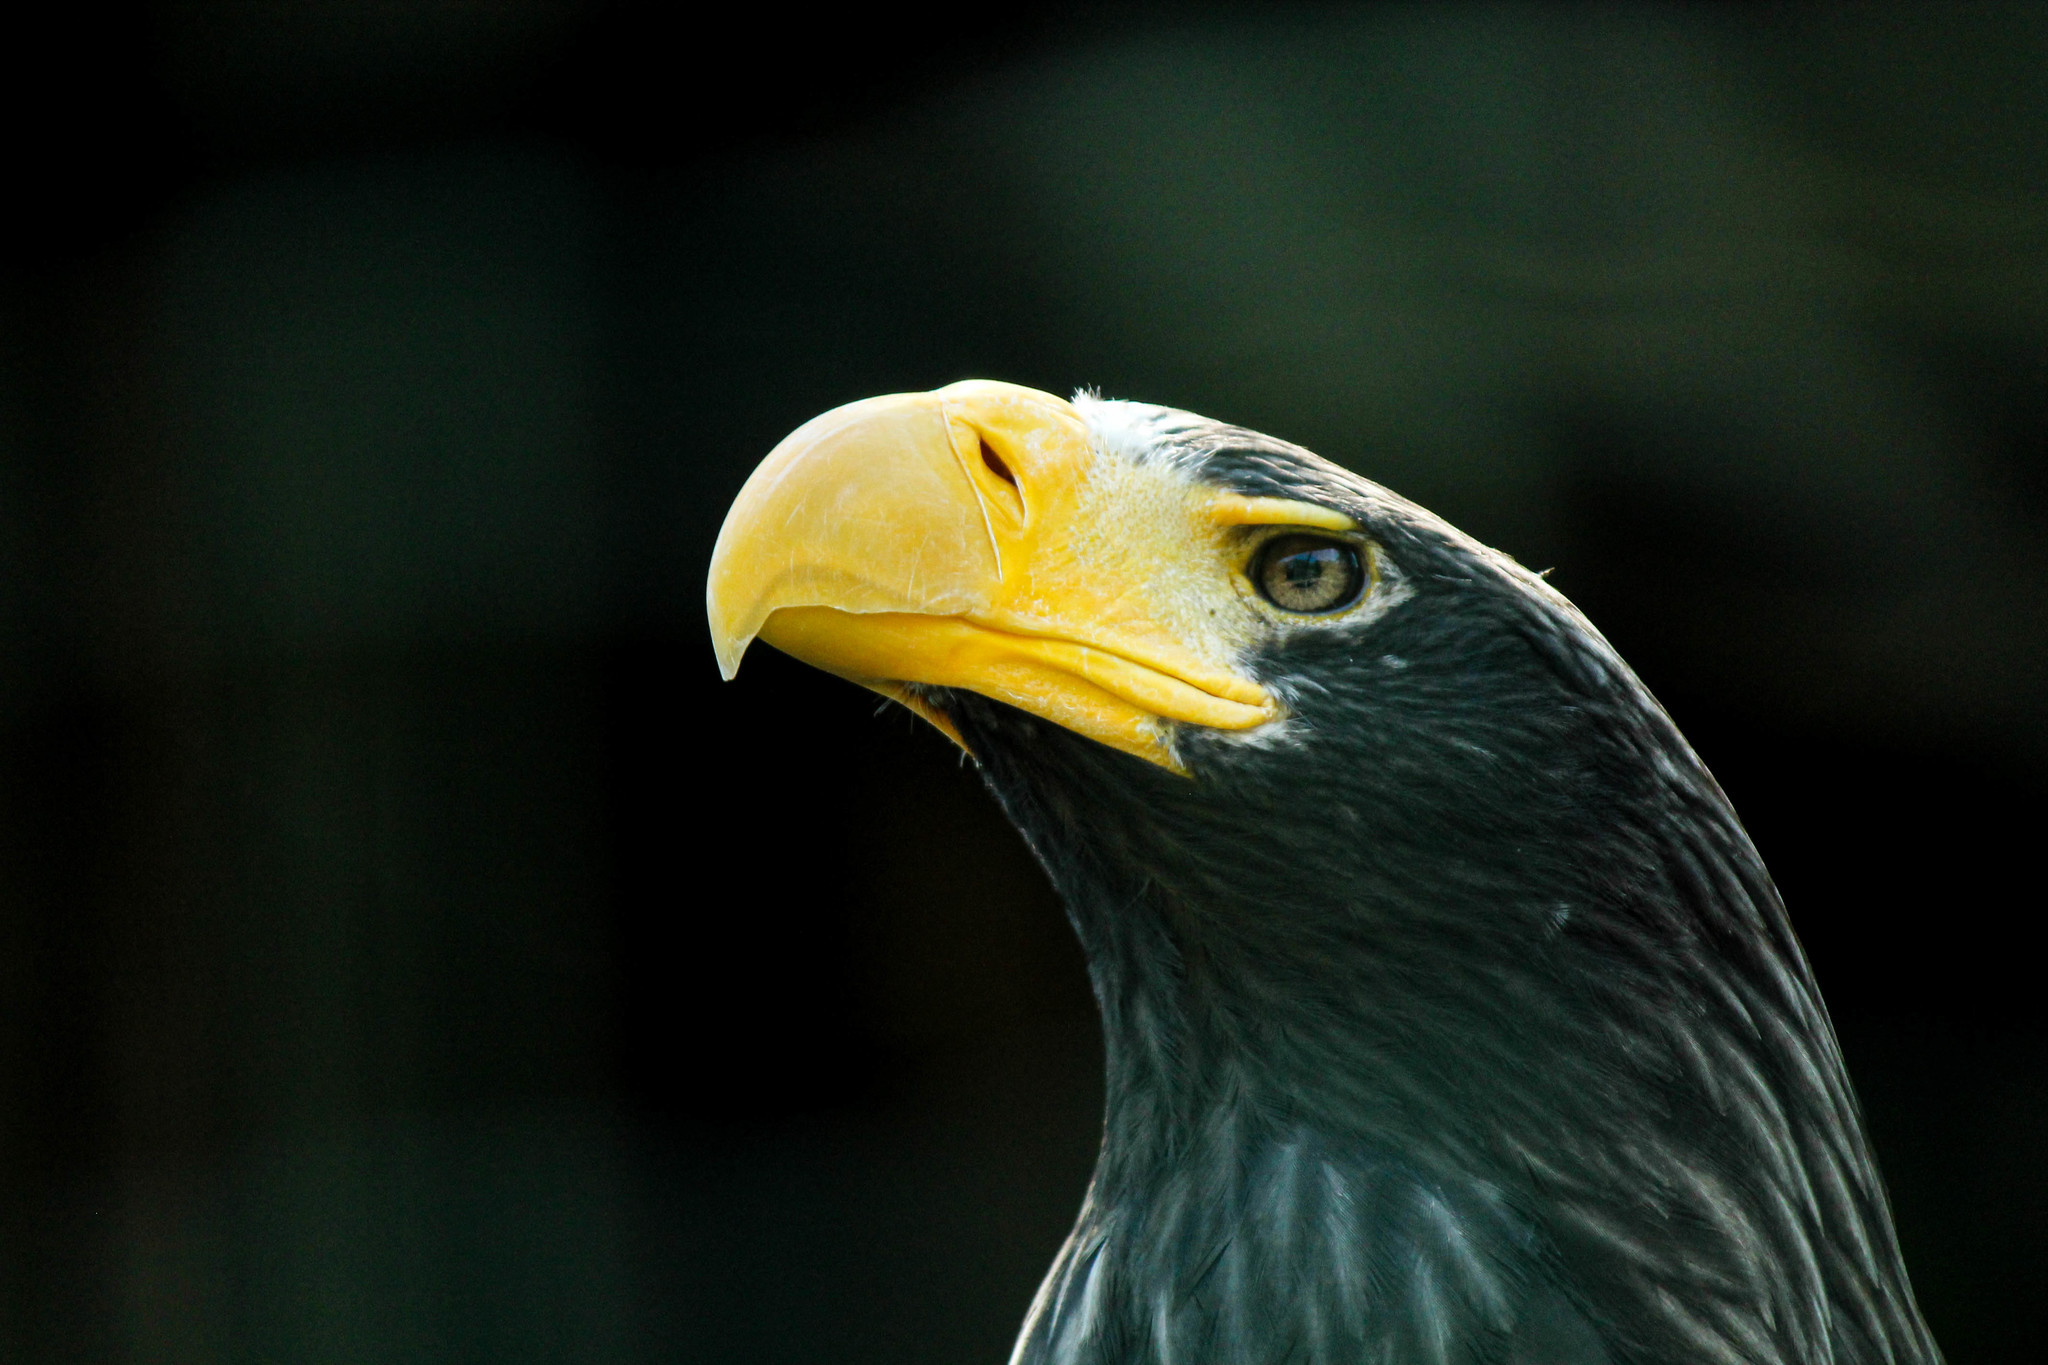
(1626, 1136)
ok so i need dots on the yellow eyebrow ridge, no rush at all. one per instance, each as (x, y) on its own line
(1234, 509)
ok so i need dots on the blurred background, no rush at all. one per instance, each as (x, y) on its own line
(409, 950)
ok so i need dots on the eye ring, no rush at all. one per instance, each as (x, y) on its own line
(1309, 575)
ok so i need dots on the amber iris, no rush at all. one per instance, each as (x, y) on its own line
(1309, 573)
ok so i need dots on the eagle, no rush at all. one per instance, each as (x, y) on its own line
(1450, 1015)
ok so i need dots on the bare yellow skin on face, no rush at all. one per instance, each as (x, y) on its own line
(983, 537)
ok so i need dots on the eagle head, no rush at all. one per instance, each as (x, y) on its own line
(1449, 1013)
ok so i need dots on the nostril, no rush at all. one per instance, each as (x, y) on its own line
(996, 466)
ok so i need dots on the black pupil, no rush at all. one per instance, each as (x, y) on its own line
(1308, 573)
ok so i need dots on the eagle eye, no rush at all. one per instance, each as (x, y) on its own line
(1309, 573)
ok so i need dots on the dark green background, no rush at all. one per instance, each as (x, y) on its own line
(409, 951)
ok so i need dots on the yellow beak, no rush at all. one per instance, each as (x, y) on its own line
(976, 537)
